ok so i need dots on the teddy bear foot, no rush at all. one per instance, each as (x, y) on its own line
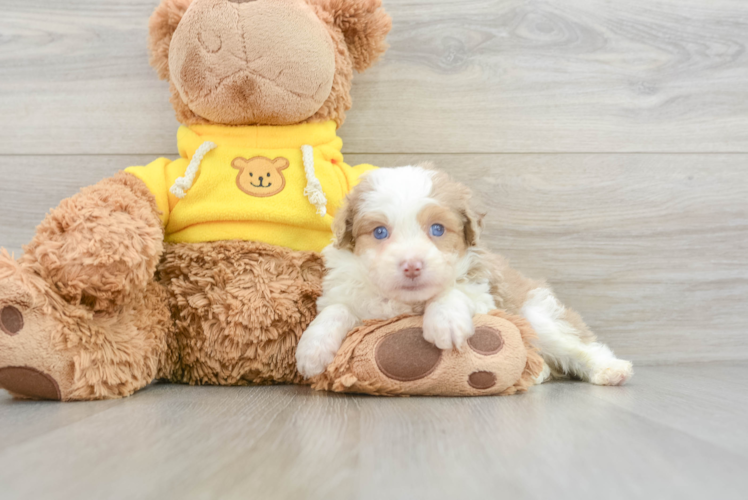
(30, 365)
(53, 350)
(392, 358)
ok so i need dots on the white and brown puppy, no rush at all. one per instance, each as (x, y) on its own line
(407, 241)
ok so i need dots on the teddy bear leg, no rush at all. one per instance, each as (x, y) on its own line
(101, 246)
(240, 309)
(393, 358)
(50, 349)
(80, 315)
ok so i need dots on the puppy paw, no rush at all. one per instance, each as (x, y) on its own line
(447, 327)
(314, 353)
(614, 372)
(545, 374)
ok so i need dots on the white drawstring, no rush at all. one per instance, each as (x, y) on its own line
(184, 183)
(313, 189)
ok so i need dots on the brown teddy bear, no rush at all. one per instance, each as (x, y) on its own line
(205, 270)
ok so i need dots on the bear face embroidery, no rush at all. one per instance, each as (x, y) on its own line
(260, 176)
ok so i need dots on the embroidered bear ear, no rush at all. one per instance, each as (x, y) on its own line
(364, 25)
(240, 163)
(280, 163)
(163, 24)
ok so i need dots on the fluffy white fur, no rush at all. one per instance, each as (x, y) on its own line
(368, 280)
(562, 347)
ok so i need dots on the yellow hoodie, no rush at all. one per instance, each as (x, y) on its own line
(278, 185)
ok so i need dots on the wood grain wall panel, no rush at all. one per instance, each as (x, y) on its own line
(651, 249)
(467, 76)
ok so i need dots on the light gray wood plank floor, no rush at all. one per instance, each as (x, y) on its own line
(674, 432)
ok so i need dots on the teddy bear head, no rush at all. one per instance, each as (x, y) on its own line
(264, 62)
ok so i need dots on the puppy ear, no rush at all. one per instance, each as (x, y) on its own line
(459, 198)
(473, 224)
(364, 25)
(342, 225)
(163, 24)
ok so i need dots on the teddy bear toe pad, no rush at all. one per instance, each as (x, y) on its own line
(486, 340)
(482, 380)
(11, 320)
(393, 358)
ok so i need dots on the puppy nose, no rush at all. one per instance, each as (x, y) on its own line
(411, 268)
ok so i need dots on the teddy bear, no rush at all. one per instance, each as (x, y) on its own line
(206, 269)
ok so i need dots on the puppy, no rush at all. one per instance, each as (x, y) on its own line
(407, 241)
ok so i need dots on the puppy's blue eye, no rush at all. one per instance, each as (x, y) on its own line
(437, 230)
(381, 233)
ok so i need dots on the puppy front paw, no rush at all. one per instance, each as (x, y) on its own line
(446, 326)
(314, 353)
(614, 372)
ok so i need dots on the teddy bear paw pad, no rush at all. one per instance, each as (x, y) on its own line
(29, 383)
(406, 356)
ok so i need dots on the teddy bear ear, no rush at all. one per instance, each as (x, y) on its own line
(240, 163)
(280, 163)
(163, 24)
(365, 26)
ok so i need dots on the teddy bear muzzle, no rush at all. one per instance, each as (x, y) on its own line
(242, 73)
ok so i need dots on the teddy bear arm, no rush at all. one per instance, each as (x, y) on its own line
(100, 246)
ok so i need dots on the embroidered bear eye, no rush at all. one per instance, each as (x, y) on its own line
(437, 230)
(381, 233)
(251, 174)
(268, 174)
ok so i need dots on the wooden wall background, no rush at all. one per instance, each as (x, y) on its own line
(608, 140)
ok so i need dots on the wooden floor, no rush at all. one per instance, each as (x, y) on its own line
(674, 432)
